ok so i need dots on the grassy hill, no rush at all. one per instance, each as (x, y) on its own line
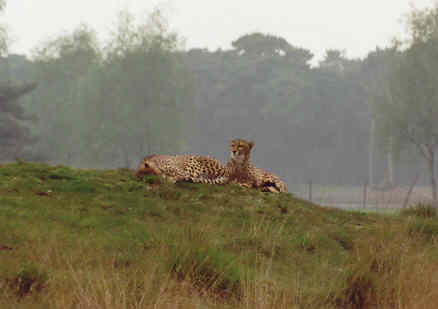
(74, 238)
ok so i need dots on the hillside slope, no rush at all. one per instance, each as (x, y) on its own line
(74, 238)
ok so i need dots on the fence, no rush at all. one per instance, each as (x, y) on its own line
(361, 197)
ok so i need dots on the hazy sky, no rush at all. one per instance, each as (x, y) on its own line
(354, 25)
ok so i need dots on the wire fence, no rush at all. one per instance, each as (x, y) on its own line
(362, 197)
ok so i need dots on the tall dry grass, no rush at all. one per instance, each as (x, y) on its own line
(386, 269)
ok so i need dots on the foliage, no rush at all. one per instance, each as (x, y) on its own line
(318, 114)
(377, 70)
(62, 66)
(422, 25)
(111, 90)
(410, 110)
(265, 45)
(139, 92)
(67, 57)
(4, 35)
(14, 136)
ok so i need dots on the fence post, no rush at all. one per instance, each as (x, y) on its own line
(365, 189)
(411, 188)
(310, 190)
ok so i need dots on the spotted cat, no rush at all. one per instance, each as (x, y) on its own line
(186, 167)
(239, 169)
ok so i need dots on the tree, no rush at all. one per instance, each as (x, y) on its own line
(144, 88)
(261, 45)
(62, 65)
(266, 45)
(375, 72)
(4, 35)
(114, 102)
(13, 135)
(337, 62)
(412, 112)
(307, 122)
(69, 56)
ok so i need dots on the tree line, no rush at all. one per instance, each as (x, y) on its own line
(344, 121)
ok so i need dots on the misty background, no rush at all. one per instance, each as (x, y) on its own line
(106, 103)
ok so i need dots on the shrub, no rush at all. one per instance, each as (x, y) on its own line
(423, 210)
(371, 275)
(27, 281)
(427, 229)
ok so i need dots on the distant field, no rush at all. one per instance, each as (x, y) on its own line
(101, 239)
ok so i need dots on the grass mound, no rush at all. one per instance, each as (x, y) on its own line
(73, 238)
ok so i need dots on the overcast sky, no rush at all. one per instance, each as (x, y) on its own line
(353, 25)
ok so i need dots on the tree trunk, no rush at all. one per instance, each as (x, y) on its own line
(431, 166)
(371, 153)
(390, 162)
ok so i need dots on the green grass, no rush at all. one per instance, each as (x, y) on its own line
(74, 238)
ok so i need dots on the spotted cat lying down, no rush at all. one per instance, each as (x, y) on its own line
(204, 169)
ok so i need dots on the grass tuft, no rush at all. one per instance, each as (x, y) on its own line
(209, 269)
(28, 280)
(421, 210)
